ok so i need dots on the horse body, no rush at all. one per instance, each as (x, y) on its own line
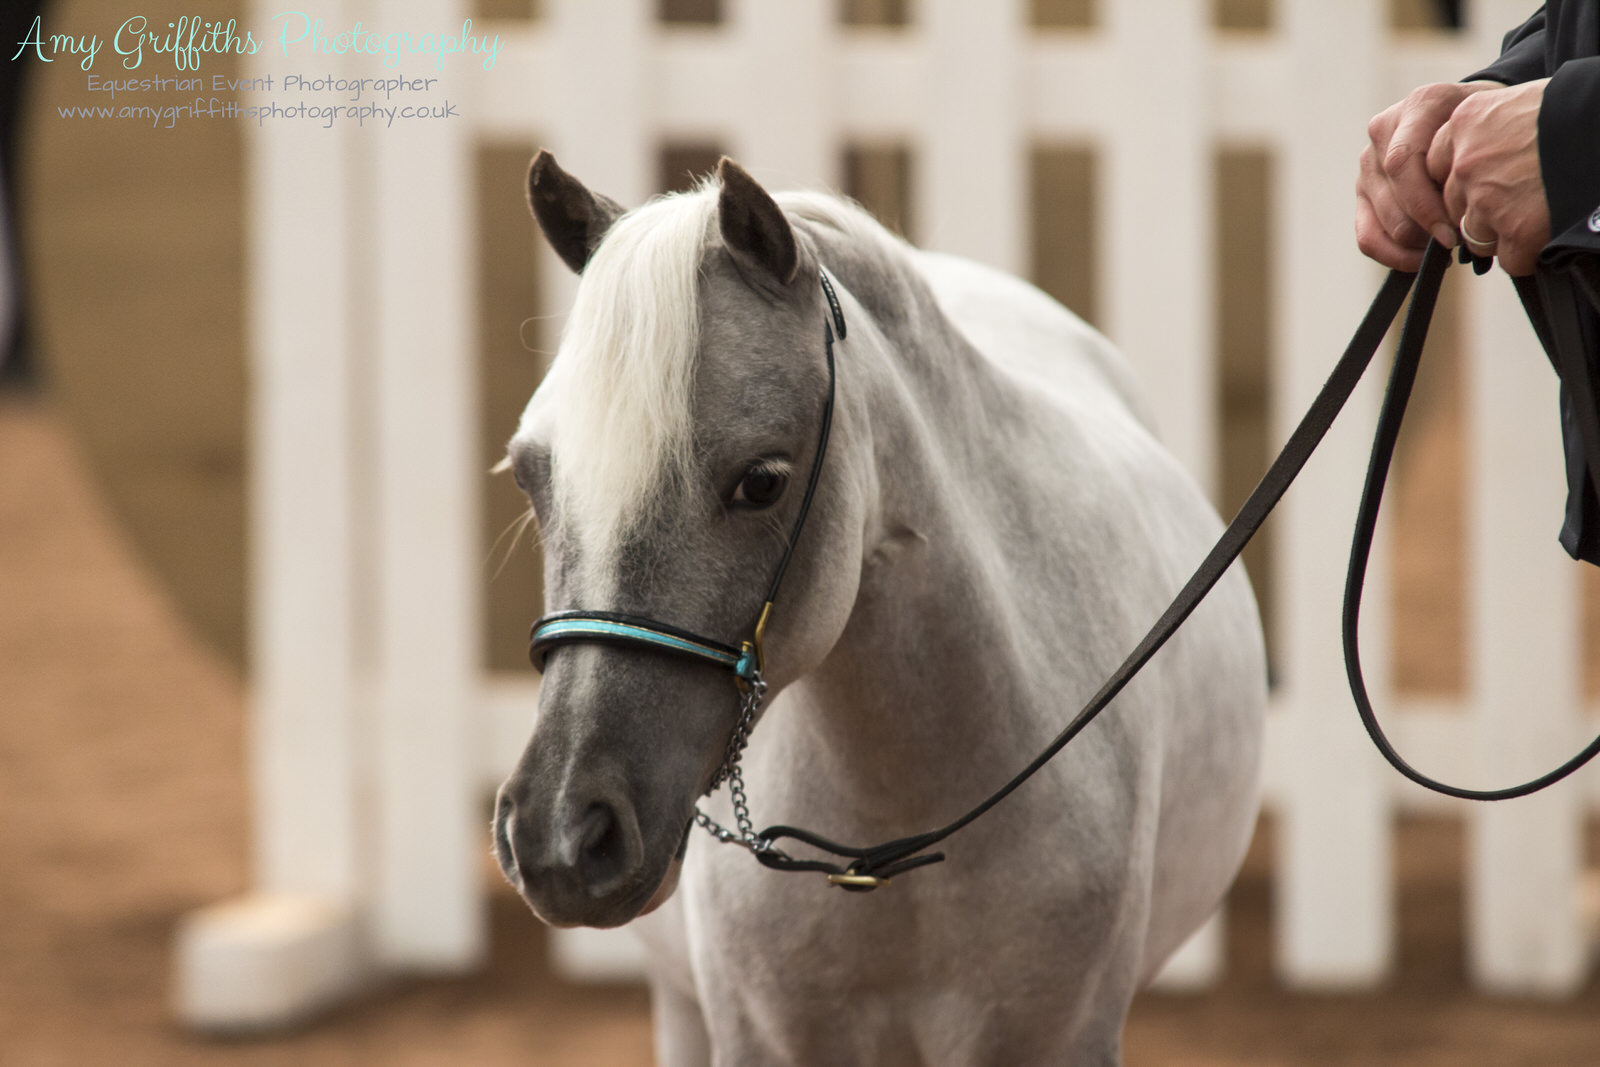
(994, 529)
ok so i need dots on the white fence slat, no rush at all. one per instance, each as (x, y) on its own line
(427, 905)
(1248, 76)
(1334, 885)
(602, 128)
(1155, 193)
(292, 944)
(697, 75)
(525, 71)
(302, 618)
(1526, 919)
(970, 191)
(783, 108)
(880, 76)
(1070, 83)
(1526, 927)
(1156, 198)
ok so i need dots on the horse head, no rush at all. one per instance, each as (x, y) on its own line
(666, 456)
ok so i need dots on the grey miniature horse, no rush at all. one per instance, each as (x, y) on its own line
(994, 527)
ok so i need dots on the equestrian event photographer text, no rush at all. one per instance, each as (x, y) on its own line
(190, 37)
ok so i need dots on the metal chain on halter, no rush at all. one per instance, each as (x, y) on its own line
(729, 772)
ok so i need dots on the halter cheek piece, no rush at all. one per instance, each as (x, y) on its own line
(747, 661)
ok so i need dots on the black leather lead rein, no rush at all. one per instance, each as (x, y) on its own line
(868, 867)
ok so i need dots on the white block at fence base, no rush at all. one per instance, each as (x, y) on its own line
(1197, 965)
(266, 962)
(586, 955)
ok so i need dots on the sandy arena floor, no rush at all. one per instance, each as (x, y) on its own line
(121, 807)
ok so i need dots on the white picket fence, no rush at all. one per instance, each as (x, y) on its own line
(375, 733)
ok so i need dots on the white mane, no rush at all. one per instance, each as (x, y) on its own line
(839, 213)
(618, 395)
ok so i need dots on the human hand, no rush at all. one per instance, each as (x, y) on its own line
(1397, 204)
(1487, 159)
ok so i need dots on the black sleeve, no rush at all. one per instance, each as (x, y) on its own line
(1521, 55)
(1569, 146)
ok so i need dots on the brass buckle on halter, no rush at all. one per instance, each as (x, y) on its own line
(753, 647)
(858, 883)
(760, 634)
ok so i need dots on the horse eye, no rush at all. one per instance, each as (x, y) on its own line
(760, 487)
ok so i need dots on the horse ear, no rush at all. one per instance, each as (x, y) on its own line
(753, 225)
(573, 218)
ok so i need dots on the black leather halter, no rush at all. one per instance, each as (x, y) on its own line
(1553, 314)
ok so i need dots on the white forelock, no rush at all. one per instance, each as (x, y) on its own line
(618, 393)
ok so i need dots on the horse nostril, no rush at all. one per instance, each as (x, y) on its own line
(503, 852)
(603, 854)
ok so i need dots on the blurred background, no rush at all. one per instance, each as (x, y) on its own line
(129, 795)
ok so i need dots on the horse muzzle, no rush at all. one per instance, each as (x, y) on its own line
(579, 862)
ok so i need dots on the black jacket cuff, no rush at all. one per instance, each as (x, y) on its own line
(1569, 147)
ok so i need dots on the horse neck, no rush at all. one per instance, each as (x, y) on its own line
(928, 672)
(920, 345)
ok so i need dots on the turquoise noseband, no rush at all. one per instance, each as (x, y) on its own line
(607, 627)
(634, 631)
